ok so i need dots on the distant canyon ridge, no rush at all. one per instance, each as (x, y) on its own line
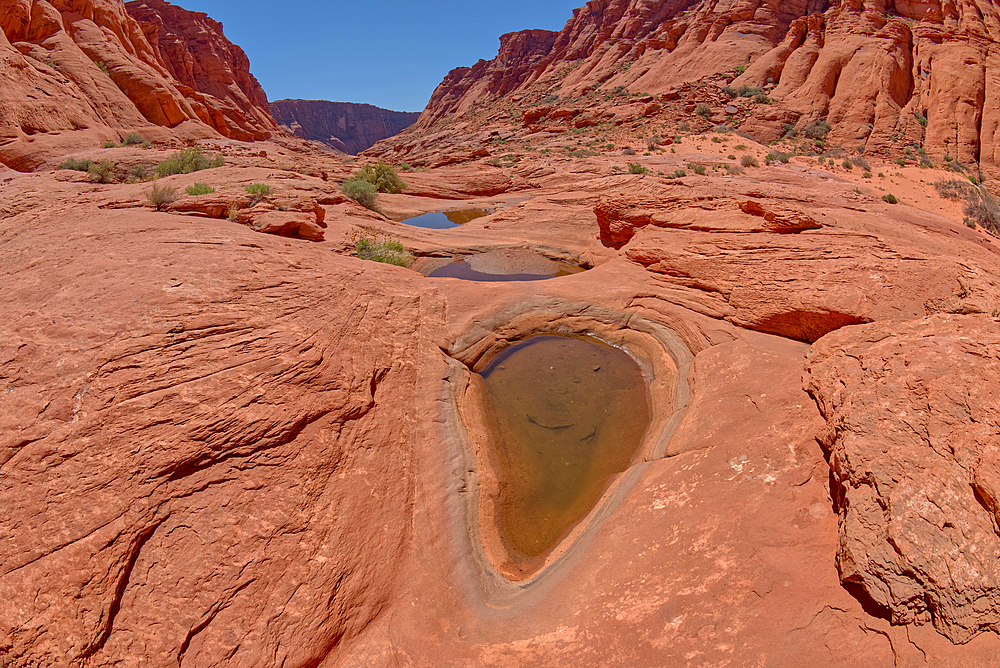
(344, 126)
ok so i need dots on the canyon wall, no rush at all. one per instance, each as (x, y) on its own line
(343, 126)
(887, 76)
(76, 73)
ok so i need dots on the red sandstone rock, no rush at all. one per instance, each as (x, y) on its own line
(197, 54)
(884, 79)
(60, 48)
(912, 411)
(347, 127)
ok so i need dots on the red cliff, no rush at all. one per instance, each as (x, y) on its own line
(77, 72)
(343, 126)
(884, 75)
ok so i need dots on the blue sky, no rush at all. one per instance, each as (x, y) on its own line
(390, 53)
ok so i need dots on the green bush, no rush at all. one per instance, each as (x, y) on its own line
(920, 118)
(697, 169)
(390, 252)
(160, 196)
(361, 191)
(187, 161)
(102, 172)
(260, 189)
(761, 98)
(383, 176)
(890, 199)
(76, 165)
(109, 144)
(636, 168)
(847, 164)
(678, 173)
(748, 161)
(199, 189)
(703, 110)
(817, 130)
(138, 172)
(132, 139)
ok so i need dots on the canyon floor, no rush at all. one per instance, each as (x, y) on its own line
(224, 447)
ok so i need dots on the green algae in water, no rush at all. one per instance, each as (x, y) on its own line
(566, 415)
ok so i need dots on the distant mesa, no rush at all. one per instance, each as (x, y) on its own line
(344, 126)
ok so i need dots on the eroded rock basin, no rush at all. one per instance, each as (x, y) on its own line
(509, 264)
(566, 414)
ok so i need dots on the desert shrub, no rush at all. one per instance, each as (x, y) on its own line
(952, 189)
(160, 196)
(748, 161)
(729, 90)
(390, 252)
(583, 153)
(76, 165)
(862, 163)
(734, 169)
(653, 142)
(233, 214)
(132, 138)
(678, 173)
(981, 207)
(866, 175)
(102, 172)
(383, 176)
(109, 144)
(890, 199)
(817, 129)
(199, 189)
(636, 168)
(955, 165)
(361, 191)
(101, 66)
(761, 98)
(261, 189)
(703, 110)
(138, 173)
(740, 69)
(716, 140)
(187, 161)
(920, 118)
(405, 167)
(697, 169)
(847, 164)
(628, 151)
(788, 130)
(740, 147)
(749, 91)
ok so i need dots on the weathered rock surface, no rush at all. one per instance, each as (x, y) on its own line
(75, 74)
(242, 449)
(344, 126)
(197, 54)
(912, 414)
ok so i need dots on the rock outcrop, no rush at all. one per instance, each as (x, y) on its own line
(912, 414)
(197, 54)
(343, 126)
(75, 74)
(889, 78)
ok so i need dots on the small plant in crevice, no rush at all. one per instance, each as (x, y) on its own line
(188, 160)
(199, 189)
(636, 168)
(361, 191)
(748, 161)
(703, 110)
(102, 172)
(890, 199)
(160, 196)
(389, 252)
(76, 165)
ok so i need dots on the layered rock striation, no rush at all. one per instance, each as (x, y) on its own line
(885, 77)
(78, 73)
(343, 126)
(197, 54)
